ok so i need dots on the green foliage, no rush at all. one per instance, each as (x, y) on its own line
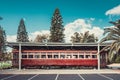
(117, 60)
(112, 34)
(21, 33)
(2, 40)
(56, 29)
(83, 38)
(41, 38)
(4, 65)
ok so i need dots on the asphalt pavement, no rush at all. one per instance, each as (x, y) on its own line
(59, 76)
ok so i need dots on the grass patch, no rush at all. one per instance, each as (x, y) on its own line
(5, 64)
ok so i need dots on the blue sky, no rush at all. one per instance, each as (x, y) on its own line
(38, 13)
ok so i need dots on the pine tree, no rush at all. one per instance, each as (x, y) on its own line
(2, 40)
(56, 29)
(21, 33)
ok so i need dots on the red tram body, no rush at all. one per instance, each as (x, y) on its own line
(58, 55)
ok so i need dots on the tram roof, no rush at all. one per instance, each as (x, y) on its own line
(12, 44)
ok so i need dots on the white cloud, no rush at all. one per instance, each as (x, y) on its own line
(114, 11)
(81, 26)
(33, 35)
(97, 31)
(11, 38)
(92, 19)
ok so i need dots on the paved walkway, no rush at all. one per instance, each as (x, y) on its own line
(58, 71)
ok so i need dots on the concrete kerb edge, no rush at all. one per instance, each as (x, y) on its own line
(40, 71)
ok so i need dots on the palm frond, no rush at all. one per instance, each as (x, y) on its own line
(118, 47)
(106, 48)
(112, 34)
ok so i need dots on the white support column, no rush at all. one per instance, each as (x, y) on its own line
(19, 56)
(98, 56)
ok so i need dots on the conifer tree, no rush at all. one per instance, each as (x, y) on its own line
(56, 29)
(2, 40)
(22, 35)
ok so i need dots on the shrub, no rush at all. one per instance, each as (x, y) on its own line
(117, 60)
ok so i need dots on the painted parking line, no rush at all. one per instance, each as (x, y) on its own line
(21, 77)
(81, 77)
(5, 75)
(106, 77)
(33, 77)
(60, 77)
(57, 77)
(69, 77)
(9, 77)
(95, 76)
(113, 76)
(45, 77)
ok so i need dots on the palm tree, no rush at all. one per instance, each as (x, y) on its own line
(41, 38)
(75, 38)
(83, 37)
(112, 34)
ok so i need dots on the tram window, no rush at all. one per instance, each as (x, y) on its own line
(94, 56)
(37, 56)
(75, 56)
(55, 56)
(43, 56)
(88, 56)
(49, 56)
(30, 56)
(62, 56)
(69, 56)
(24, 56)
(81, 56)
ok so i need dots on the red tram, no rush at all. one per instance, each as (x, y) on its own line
(57, 55)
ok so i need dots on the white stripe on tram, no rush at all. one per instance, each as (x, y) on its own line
(33, 77)
(105, 77)
(81, 77)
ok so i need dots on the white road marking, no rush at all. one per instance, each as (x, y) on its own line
(106, 77)
(81, 77)
(33, 77)
(8, 77)
(57, 77)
